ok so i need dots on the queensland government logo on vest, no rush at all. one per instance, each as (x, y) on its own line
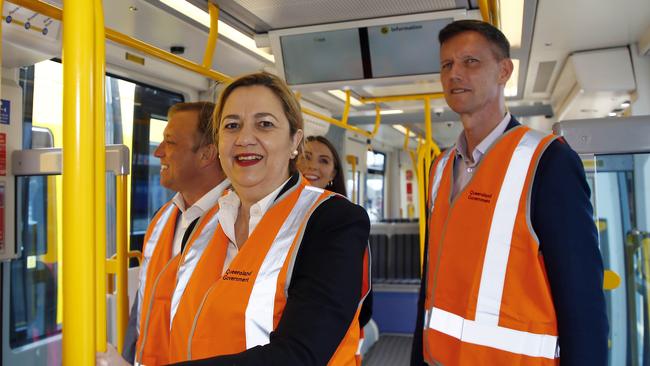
(480, 196)
(237, 275)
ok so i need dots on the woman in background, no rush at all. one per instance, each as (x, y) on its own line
(321, 166)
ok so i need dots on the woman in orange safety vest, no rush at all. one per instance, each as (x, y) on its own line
(290, 284)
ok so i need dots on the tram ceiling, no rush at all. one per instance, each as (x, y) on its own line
(263, 16)
(437, 116)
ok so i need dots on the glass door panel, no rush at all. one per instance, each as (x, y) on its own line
(620, 184)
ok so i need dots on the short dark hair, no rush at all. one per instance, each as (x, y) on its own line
(491, 33)
(205, 111)
(338, 183)
(280, 89)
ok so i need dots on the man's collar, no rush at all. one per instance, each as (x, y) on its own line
(207, 201)
(484, 145)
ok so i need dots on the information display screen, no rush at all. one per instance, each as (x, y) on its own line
(406, 48)
(384, 51)
(322, 56)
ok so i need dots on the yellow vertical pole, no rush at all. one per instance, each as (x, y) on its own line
(429, 137)
(422, 205)
(424, 163)
(346, 108)
(212, 36)
(78, 185)
(122, 261)
(100, 175)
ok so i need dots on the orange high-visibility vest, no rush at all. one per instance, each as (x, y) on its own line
(488, 300)
(365, 290)
(157, 251)
(244, 306)
(178, 290)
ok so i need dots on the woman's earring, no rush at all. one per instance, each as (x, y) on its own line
(294, 154)
(330, 184)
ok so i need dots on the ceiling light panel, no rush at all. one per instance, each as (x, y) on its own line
(225, 30)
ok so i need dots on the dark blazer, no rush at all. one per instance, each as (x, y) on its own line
(562, 218)
(323, 298)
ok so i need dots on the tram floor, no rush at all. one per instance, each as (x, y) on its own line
(390, 350)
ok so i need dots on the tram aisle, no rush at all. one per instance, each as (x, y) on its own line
(396, 275)
(390, 350)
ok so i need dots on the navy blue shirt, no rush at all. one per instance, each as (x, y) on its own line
(562, 218)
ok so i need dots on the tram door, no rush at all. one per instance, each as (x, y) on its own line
(31, 283)
(618, 171)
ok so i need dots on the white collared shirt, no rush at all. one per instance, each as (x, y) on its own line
(201, 206)
(228, 211)
(464, 166)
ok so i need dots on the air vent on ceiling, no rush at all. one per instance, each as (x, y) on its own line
(593, 83)
(543, 77)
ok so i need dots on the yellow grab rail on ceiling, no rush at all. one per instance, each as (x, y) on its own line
(100, 174)
(78, 184)
(211, 43)
(343, 123)
(353, 160)
(426, 152)
(490, 12)
(412, 154)
(120, 38)
(401, 98)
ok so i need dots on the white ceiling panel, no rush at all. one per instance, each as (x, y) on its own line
(404, 89)
(293, 13)
(563, 27)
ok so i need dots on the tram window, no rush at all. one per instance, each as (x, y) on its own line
(33, 291)
(375, 185)
(135, 113)
(135, 116)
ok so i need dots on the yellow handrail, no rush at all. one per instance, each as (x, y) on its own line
(401, 98)
(352, 160)
(490, 12)
(494, 13)
(343, 123)
(412, 154)
(100, 175)
(78, 185)
(212, 36)
(121, 272)
(485, 11)
(120, 38)
(427, 153)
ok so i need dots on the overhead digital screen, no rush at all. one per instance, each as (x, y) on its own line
(322, 57)
(405, 48)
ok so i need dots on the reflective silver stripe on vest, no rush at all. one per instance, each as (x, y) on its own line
(505, 339)
(192, 258)
(149, 248)
(437, 178)
(484, 330)
(260, 309)
(495, 264)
